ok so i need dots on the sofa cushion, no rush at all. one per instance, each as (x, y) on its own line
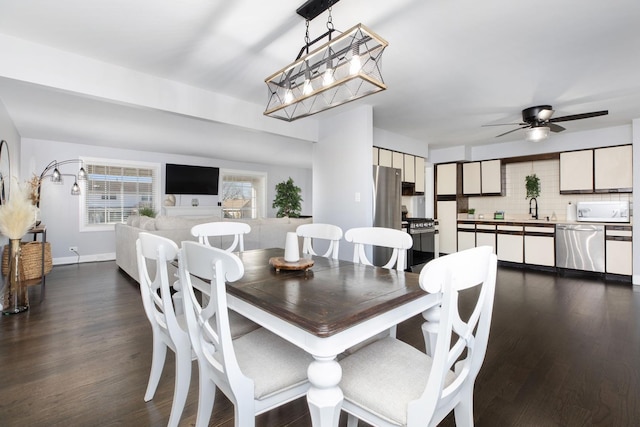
(147, 223)
(135, 220)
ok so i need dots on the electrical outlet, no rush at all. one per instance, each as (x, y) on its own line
(73, 249)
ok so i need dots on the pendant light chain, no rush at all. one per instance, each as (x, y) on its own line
(330, 26)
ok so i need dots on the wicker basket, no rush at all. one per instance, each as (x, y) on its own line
(31, 257)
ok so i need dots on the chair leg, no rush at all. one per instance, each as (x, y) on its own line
(181, 386)
(463, 412)
(206, 399)
(352, 420)
(245, 415)
(157, 363)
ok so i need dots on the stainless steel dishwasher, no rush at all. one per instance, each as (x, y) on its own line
(580, 247)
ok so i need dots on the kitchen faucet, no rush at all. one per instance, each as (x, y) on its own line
(531, 212)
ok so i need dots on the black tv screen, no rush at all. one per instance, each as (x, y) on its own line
(186, 179)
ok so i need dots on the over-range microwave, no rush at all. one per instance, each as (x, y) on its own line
(603, 211)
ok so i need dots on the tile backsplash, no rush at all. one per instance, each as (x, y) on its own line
(515, 204)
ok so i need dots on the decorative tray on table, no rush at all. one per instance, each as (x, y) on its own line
(280, 264)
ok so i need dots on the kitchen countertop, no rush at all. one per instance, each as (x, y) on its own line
(533, 222)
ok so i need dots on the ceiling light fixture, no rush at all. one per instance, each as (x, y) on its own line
(537, 133)
(343, 69)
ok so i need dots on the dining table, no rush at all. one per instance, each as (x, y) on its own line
(326, 309)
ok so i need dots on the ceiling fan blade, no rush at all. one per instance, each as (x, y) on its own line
(554, 127)
(512, 130)
(579, 116)
(506, 124)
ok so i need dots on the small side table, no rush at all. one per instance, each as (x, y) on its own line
(41, 230)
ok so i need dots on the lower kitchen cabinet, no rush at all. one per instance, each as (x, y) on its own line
(466, 236)
(539, 246)
(486, 235)
(618, 249)
(510, 243)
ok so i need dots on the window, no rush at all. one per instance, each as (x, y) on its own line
(116, 189)
(243, 194)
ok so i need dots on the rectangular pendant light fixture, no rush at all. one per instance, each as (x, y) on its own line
(341, 70)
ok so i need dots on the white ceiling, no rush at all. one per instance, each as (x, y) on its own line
(451, 67)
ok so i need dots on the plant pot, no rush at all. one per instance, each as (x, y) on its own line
(15, 296)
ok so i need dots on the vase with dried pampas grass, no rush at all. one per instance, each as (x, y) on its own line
(17, 216)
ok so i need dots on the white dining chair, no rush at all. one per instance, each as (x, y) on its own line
(168, 327)
(396, 240)
(390, 383)
(317, 231)
(258, 371)
(221, 229)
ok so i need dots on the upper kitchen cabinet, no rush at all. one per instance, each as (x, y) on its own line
(420, 170)
(385, 158)
(482, 178)
(471, 181)
(600, 170)
(613, 169)
(409, 168)
(398, 162)
(576, 172)
(492, 174)
(446, 179)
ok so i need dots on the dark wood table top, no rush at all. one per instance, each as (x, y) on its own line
(330, 297)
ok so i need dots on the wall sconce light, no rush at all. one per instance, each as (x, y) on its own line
(343, 69)
(52, 171)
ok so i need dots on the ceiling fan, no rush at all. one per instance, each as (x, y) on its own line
(538, 122)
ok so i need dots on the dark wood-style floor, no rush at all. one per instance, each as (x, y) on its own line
(563, 351)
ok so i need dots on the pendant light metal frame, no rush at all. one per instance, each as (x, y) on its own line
(352, 60)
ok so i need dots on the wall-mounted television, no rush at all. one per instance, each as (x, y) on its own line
(187, 179)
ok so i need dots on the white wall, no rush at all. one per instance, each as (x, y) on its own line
(636, 201)
(60, 211)
(342, 172)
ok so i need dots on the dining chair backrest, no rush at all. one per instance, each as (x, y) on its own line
(397, 240)
(220, 229)
(329, 232)
(275, 371)
(166, 324)
(461, 344)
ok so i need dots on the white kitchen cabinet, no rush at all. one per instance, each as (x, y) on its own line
(510, 243)
(385, 158)
(613, 168)
(576, 171)
(409, 168)
(486, 235)
(446, 179)
(539, 246)
(447, 225)
(466, 236)
(420, 177)
(398, 162)
(471, 184)
(491, 176)
(375, 154)
(618, 249)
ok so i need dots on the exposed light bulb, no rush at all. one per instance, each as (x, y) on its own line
(288, 96)
(307, 88)
(75, 189)
(355, 65)
(328, 78)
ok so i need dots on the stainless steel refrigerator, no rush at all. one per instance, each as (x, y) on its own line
(387, 205)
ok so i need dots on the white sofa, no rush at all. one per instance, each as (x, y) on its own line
(265, 233)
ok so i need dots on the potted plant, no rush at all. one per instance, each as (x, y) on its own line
(287, 199)
(147, 211)
(532, 185)
(471, 213)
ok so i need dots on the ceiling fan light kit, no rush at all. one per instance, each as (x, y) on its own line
(537, 133)
(538, 122)
(343, 69)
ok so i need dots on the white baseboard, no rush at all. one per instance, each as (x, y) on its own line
(84, 258)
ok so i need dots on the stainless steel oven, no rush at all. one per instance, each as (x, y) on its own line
(424, 232)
